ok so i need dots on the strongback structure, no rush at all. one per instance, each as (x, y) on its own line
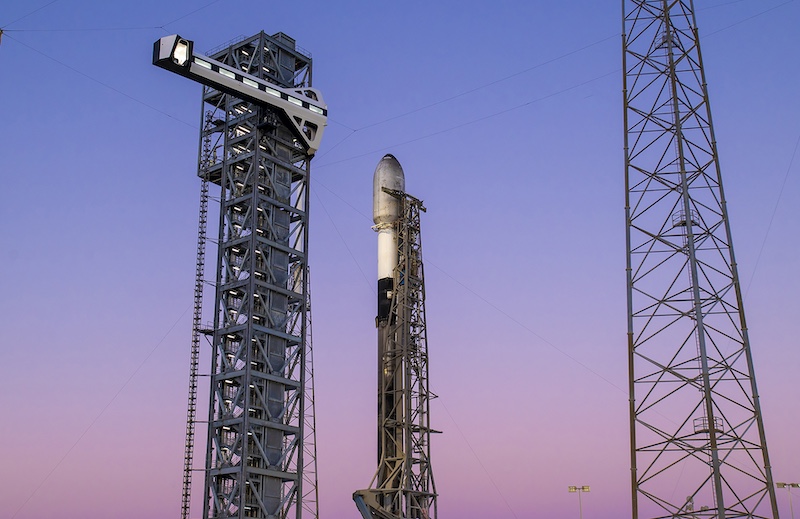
(403, 485)
(262, 125)
(698, 447)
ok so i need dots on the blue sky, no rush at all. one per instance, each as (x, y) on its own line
(507, 119)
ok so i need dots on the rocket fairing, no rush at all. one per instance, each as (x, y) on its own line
(386, 211)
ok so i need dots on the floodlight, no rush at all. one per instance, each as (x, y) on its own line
(788, 487)
(579, 489)
(175, 51)
(182, 51)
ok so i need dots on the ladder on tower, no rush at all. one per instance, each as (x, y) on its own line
(197, 317)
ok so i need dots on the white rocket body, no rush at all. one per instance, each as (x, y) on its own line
(386, 211)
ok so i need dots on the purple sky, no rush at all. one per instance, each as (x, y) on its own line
(507, 119)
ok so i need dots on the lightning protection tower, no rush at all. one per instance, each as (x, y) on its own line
(262, 125)
(403, 484)
(698, 447)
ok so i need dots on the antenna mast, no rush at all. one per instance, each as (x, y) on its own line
(698, 447)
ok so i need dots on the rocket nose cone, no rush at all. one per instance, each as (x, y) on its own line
(389, 164)
(390, 158)
(389, 175)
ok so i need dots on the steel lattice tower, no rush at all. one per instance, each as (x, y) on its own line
(310, 474)
(257, 417)
(403, 485)
(698, 447)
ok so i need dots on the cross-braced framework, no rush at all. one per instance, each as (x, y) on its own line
(697, 439)
(310, 474)
(403, 485)
(257, 426)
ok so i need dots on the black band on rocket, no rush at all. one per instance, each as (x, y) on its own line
(385, 287)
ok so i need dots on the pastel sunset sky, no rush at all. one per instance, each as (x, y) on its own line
(506, 116)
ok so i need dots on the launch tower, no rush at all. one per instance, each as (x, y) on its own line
(262, 125)
(403, 485)
(698, 447)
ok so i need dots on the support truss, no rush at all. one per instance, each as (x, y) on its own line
(310, 473)
(698, 447)
(403, 485)
(257, 415)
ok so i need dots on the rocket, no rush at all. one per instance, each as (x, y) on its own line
(402, 485)
(386, 211)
